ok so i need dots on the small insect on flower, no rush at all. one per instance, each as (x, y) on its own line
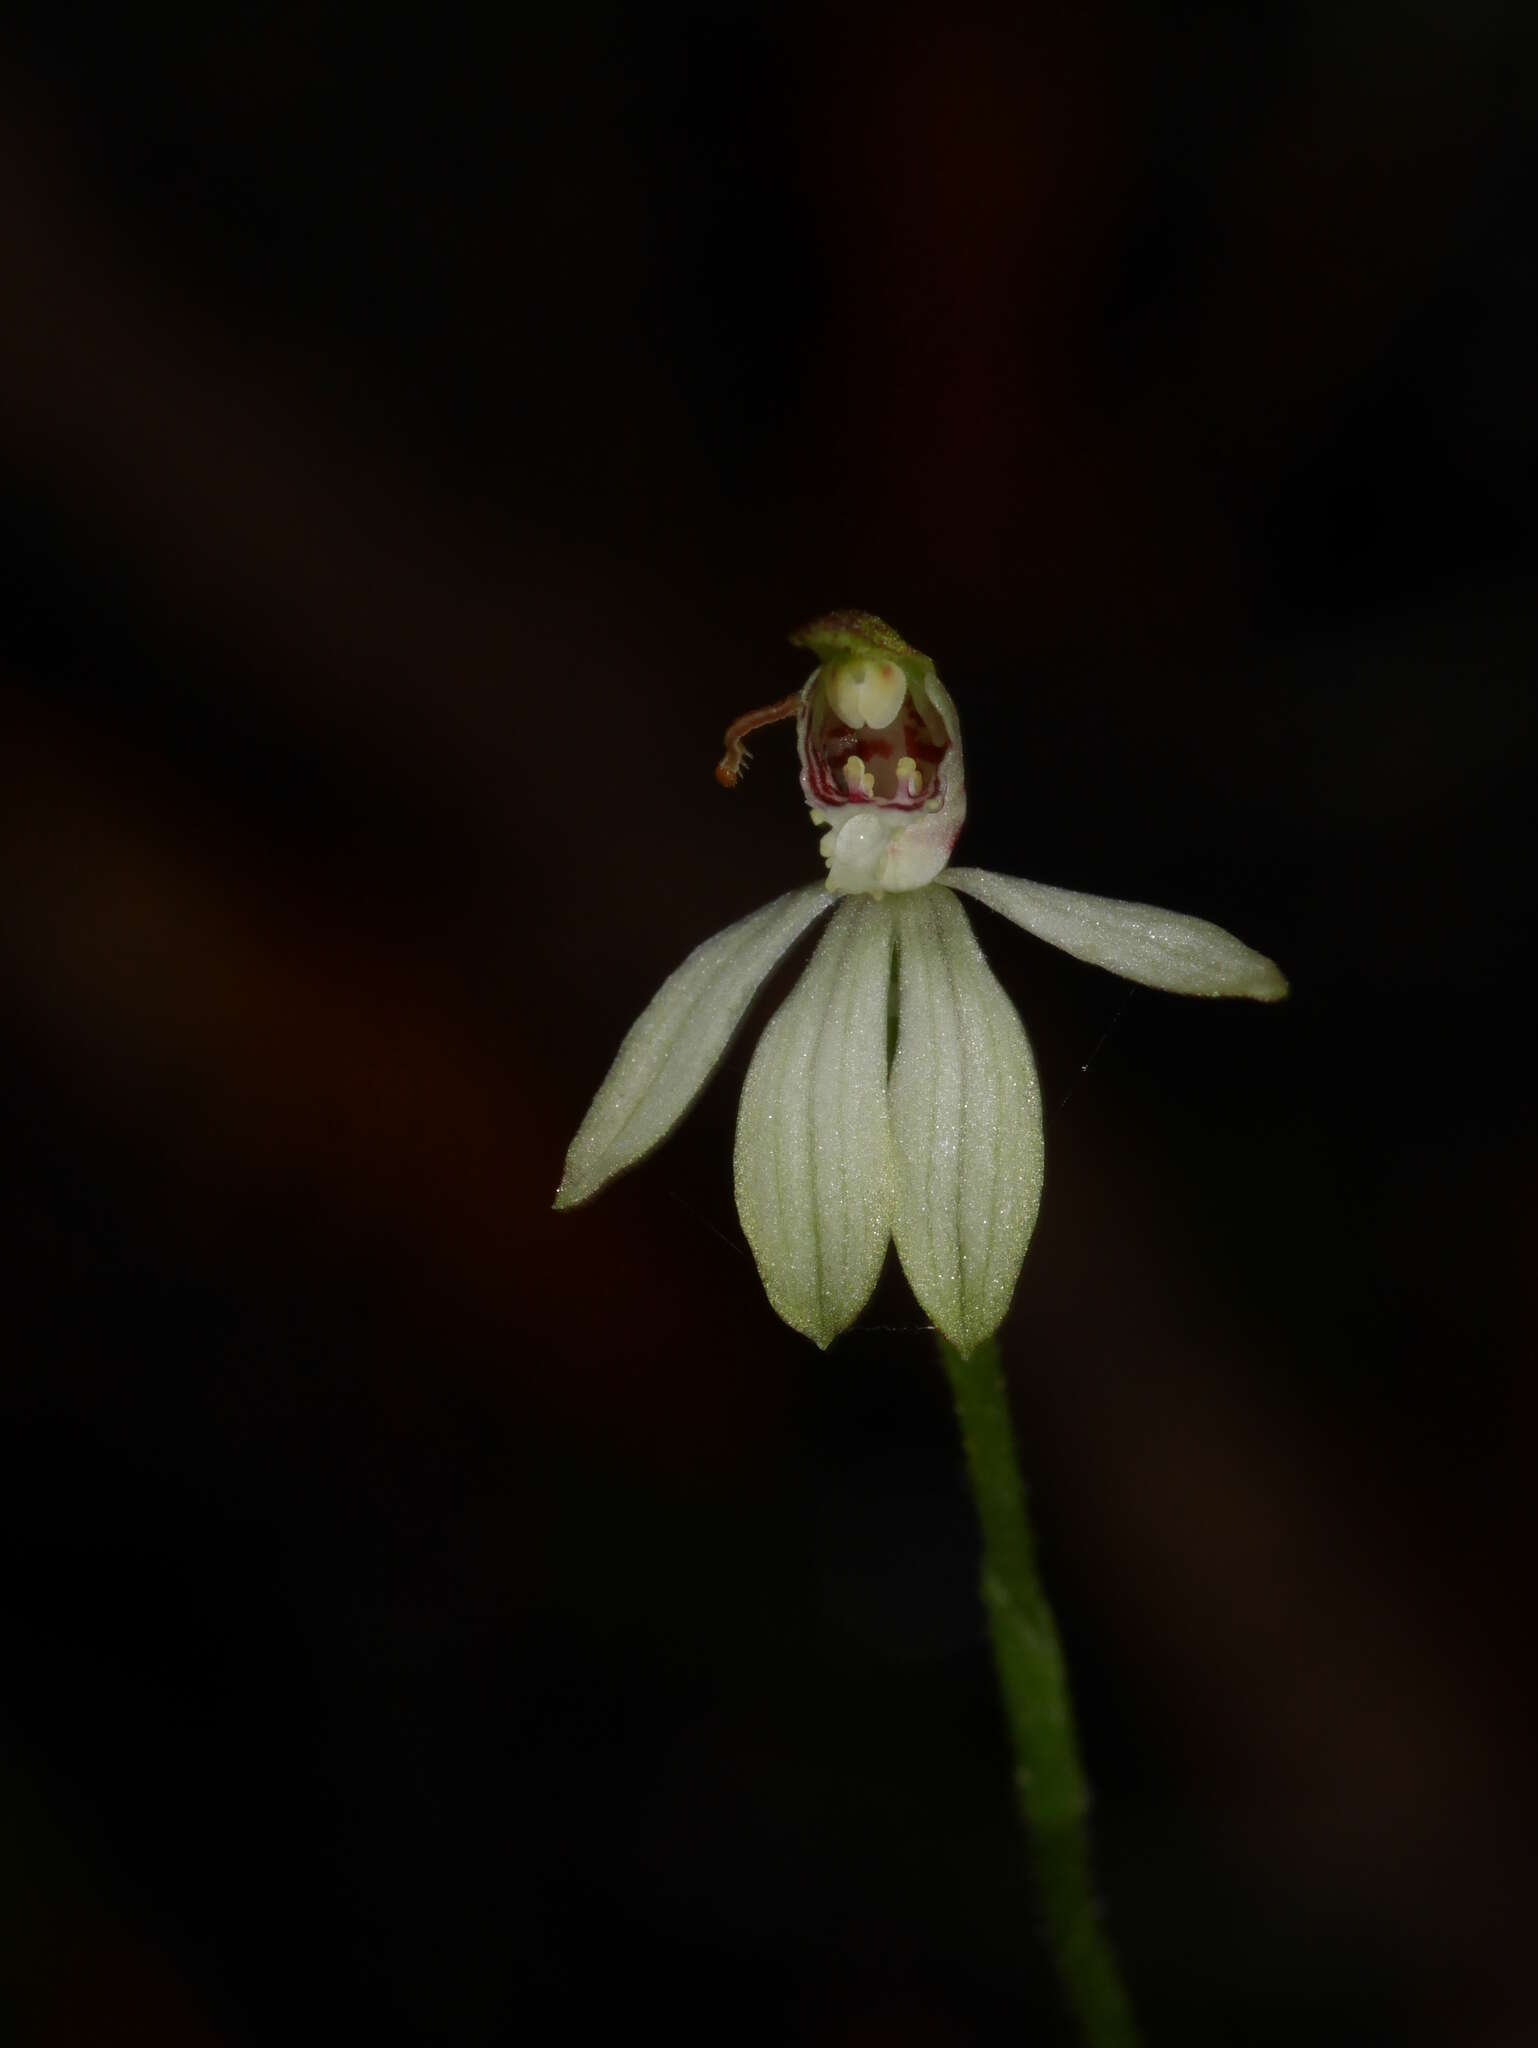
(840, 1148)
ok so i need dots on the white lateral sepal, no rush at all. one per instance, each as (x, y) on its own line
(1160, 948)
(813, 1165)
(674, 1045)
(966, 1124)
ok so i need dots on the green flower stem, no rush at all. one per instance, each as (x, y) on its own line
(1049, 1778)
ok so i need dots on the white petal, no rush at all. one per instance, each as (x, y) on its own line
(672, 1048)
(966, 1124)
(1160, 948)
(813, 1164)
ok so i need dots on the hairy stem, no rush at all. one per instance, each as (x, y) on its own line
(1049, 1777)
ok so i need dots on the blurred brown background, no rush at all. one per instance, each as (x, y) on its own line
(455, 1623)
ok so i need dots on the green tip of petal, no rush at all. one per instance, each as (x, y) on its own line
(582, 1177)
(1267, 984)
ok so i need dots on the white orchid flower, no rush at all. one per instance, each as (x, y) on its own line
(844, 1145)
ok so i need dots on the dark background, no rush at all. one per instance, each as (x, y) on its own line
(427, 1618)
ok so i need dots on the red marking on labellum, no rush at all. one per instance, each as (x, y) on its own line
(831, 743)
